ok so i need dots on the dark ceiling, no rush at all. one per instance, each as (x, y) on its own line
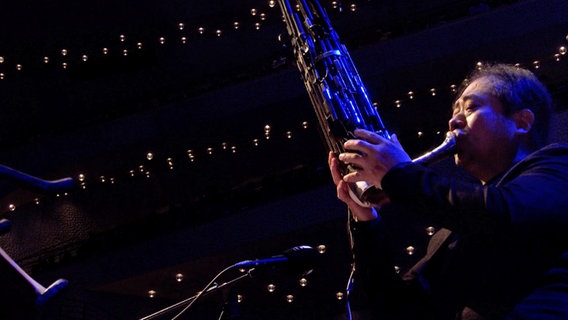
(138, 220)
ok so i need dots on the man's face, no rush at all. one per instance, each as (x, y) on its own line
(485, 137)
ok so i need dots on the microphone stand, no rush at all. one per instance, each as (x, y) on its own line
(21, 294)
(189, 300)
(230, 309)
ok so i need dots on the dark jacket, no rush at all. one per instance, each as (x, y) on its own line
(505, 237)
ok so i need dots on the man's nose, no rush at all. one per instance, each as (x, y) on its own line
(457, 121)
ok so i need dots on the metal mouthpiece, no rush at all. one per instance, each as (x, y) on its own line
(445, 149)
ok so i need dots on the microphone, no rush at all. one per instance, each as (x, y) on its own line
(4, 226)
(33, 183)
(50, 291)
(297, 260)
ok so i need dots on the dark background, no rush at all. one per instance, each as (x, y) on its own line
(134, 222)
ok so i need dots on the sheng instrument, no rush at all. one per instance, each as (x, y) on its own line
(336, 91)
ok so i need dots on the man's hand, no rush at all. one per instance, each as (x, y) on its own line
(360, 213)
(372, 156)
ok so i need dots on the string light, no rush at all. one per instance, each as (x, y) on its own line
(561, 51)
(254, 12)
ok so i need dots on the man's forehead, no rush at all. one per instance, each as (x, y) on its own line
(484, 85)
(477, 88)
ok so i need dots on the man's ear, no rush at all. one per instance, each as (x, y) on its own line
(524, 120)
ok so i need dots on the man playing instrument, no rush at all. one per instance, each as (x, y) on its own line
(502, 250)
